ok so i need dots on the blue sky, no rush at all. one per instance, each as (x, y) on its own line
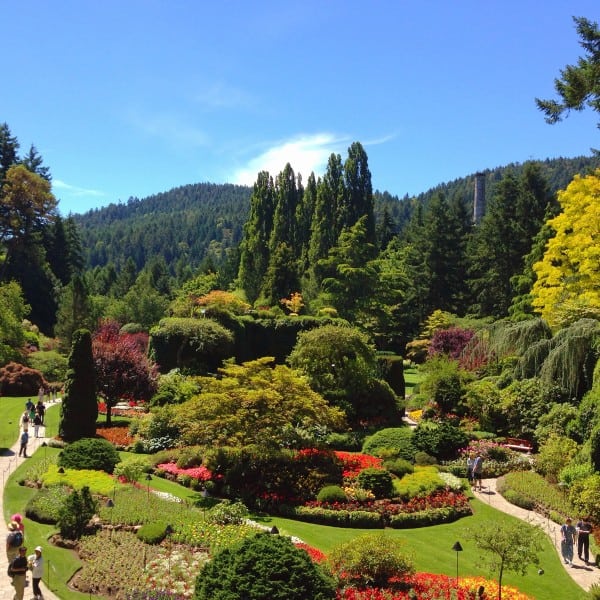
(129, 98)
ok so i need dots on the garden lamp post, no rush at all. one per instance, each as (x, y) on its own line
(457, 548)
(168, 531)
(110, 504)
(45, 447)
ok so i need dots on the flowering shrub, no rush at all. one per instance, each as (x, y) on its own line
(428, 586)
(121, 412)
(200, 473)
(117, 435)
(353, 463)
(315, 554)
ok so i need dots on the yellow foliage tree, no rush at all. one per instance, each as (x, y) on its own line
(567, 287)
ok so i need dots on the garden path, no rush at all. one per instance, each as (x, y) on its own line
(584, 575)
(9, 461)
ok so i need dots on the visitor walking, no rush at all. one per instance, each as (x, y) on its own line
(567, 532)
(18, 571)
(41, 410)
(470, 464)
(478, 472)
(24, 421)
(14, 540)
(584, 528)
(36, 563)
(23, 448)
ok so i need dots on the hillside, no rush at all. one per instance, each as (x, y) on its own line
(198, 222)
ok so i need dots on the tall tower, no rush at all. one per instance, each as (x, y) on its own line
(479, 198)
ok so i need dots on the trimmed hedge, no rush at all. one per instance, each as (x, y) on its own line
(425, 518)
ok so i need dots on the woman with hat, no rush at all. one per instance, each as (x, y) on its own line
(36, 563)
(14, 539)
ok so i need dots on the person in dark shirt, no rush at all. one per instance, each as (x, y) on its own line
(584, 529)
(18, 570)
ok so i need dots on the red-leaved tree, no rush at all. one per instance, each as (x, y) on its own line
(123, 370)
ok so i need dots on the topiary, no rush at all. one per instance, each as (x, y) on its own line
(96, 454)
(75, 514)
(398, 466)
(260, 567)
(332, 493)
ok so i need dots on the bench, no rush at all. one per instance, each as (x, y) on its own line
(518, 444)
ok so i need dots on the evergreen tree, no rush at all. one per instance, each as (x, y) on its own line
(33, 162)
(281, 278)
(79, 407)
(9, 148)
(579, 85)
(74, 311)
(254, 249)
(386, 231)
(358, 197)
(304, 215)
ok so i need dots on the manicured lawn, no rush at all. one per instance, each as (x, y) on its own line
(431, 548)
(11, 409)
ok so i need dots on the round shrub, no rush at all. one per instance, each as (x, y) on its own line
(392, 441)
(227, 513)
(372, 560)
(152, 533)
(264, 566)
(441, 440)
(96, 454)
(332, 493)
(398, 466)
(378, 481)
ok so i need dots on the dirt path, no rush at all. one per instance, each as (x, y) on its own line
(584, 575)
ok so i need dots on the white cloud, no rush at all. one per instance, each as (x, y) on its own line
(305, 153)
(74, 190)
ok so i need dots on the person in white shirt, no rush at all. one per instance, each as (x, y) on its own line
(36, 563)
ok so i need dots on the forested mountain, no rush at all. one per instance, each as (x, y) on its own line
(191, 224)
(185, 226)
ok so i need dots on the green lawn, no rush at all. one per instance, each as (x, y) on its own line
(412, 377)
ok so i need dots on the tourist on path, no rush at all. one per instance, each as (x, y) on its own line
(36, 564)
(23, 448)
(18, 570)
(14, 540)
(567, 540)
(478, 472)
(584, 529)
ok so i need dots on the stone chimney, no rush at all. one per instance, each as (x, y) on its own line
(479, 198)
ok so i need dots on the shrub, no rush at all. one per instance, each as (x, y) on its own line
(75, 514)
(350, 441)
(19, 380)
(519, 499)
(429, 517)
(264, 566)
(364, 519)
(441, 440)
(398, 466)
(396, 439)
(227, 513)
(45, 506)
(371, 560)
(131, 469)
(378, 481)
(332, 493)
(50, 363)
(425, 480)
(95, 454)
(422, 459)
(152, 533)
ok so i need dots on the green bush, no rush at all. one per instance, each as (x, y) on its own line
(264, 566)
(227, 513)
(441, 440)
(364, 519)
(378, 481)
(398, 466)
(320, 516)
(424, 481)
(152, 533)
(45, 506)
(349, 442)
(332, 493)
(397, 441)
(75, 514)
(131, 469)
(371, 560)
(96, 454)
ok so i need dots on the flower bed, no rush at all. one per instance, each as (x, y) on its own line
(200, 473)
(428, 586)
(440, 507)
(117, 435)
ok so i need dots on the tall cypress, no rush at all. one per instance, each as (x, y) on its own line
(79, 407)
(254, 249)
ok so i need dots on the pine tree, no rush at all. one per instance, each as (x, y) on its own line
(79, 407)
